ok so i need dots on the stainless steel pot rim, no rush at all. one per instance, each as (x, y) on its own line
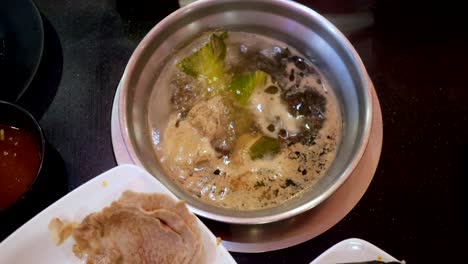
(130, 69)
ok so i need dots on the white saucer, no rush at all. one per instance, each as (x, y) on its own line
(296, 230)
(353, 250)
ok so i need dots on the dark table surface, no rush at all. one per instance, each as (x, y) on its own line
(416, 55)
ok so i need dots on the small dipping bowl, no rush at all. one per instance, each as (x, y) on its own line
(22, 148)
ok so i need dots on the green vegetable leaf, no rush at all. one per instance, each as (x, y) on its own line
(208, 61)
(264, 146)
(242, 86)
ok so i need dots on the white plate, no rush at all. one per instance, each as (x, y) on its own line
(352, 250)
(31, 243)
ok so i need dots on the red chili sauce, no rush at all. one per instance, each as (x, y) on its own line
(20, 158)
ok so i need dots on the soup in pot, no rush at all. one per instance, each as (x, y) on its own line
(243, 121)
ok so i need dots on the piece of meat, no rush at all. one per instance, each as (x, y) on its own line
(209, 118)
(59, 231)
(184, 148)
(151, 202)
(129, 235)
(138, 228)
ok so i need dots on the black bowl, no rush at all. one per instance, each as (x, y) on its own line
(16, 116)
(21, 46)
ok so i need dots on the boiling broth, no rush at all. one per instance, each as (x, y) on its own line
(240, 153)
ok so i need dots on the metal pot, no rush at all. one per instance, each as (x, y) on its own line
(290, 22)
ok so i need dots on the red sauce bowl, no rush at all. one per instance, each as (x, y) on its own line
(22, 148)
